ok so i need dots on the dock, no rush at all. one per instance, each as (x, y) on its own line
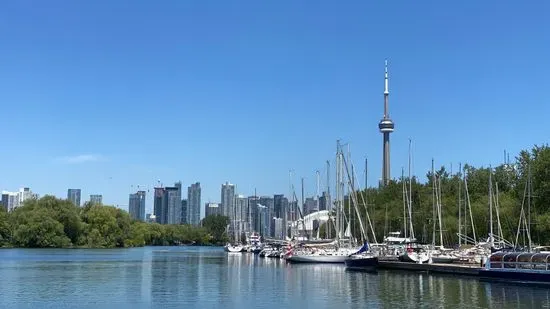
(457, 269)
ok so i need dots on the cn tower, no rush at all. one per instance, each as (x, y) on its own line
(386, 127)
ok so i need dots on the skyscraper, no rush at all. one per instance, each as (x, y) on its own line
(212, 209)
(265, 214)
(96, 199)
(310, 206)
(277, 228)
(172, 204)
(280, 204)
(73, 195)
(184, 212)
(228, 199)
(159, 212)
(386, 127)
(240, 219)
(194, 204)
(136, 205)
(324, 201)
(252, 211)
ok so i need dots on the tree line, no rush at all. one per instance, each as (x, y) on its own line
(385, 204)
(50, 222)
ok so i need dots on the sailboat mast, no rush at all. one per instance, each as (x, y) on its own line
(303, 193)
(404, 203)
(469, 206)
(337, 219)
(491, 240)
(529, 193)
(328, 202)
(291, 204)
(411, 230)
(433, 203)
(439, 213)
(459, 205)
(318, 188)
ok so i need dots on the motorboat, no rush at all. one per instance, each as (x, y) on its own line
(517, 267)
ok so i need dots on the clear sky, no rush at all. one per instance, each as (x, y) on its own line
(105, 95)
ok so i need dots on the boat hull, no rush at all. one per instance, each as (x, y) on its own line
(444, 259)
(316, 259)
(413, 257)
(515, 276)
(362, 263)
(234, 249)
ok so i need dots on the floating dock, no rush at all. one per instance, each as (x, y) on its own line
(457, 269)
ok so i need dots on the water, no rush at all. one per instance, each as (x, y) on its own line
(199, 277)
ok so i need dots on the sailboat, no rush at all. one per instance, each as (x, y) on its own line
(414, 252)
(336, 251)
(439, 255)
(234, 247)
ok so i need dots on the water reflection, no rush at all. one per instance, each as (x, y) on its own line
(194, 277)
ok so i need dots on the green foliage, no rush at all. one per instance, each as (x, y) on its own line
(385, 205)
(55, 223)
(5, 229)
(216, 225)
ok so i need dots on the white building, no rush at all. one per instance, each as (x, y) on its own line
(12, 200)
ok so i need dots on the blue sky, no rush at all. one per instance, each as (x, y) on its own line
(105, 95)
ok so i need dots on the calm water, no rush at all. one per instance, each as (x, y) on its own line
(195, 277)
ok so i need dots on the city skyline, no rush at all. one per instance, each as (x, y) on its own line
(288, 89)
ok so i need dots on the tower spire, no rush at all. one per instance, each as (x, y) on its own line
(386, 90)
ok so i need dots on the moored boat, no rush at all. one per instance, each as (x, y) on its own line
(318, 256)
(233, 248)
(517, 267)
(414, 255)
(362, 260)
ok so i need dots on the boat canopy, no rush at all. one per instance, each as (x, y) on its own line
(524, 260)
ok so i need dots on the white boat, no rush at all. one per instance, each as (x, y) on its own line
(443, 258)
(319, 256)
(415, 254)
(234, 248)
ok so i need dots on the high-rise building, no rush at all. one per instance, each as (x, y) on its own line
(265, 214)
(228, 199)
(161, 214)
(277, 228)
(386, 127)
(96, 199)
(171, 203)
(240, 220)
(10, 200)
(136, 205)
(184, 212)
(310, 206)
(73, 195)
(212, 209)
(167, 205)
(252, 211)
(280, 204)
(324, 201)
(194, 204)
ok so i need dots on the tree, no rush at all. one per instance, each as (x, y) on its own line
(5, 230)
(216, 226)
